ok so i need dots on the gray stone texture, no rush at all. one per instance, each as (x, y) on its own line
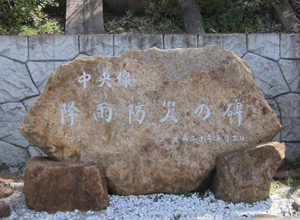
(290, 48)
(268, 75)
(124, 43)
(11, 155)
(11, 116)
(84, 17)
(266, 45)
(51, 47)
(291, 72)
(29, 102)
(40, 71)
(14, 47)
(34, 151)
(172, 41)
(290, 129)
(272, 103)
(15, 81)
(96, 45)
(289, 105)
(292, 151)
(234, 42)
(191, 17)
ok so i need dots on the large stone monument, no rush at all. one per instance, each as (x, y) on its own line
(154, 120)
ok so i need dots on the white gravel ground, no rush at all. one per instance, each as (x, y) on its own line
(161, 206)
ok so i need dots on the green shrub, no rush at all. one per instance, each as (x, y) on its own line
(164, 14)
(27, 15)
(236, 16)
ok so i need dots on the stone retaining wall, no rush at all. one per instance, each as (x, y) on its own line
(26, 63)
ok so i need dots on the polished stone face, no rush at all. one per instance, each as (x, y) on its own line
(155, 120)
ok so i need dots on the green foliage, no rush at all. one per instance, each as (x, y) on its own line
(164, 14)
(50, 27)
(27, 15)
(184, 191)
(234, 16)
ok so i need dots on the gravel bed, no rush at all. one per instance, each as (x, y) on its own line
(162, 206)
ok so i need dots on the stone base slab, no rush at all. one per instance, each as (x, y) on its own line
(53, 186)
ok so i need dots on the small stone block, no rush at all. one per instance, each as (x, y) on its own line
(245, 175)
(54, 186)
(4, 210)
(5, 192)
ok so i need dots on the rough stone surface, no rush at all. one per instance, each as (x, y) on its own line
(273, 105)
(84, 17)
(289, 50)
(291, 72)
(289, 105)
(4, 209)
(296, 205)
(14, 47)
(51, 47)
(292, 150)
(290, 129)
(77, 185)
(5, 192)
(172, 41)
(34, 151)
(29, 102)
(162, 128)
(40, 71)
(268, 75)
(11, 155)
(233, 42)
(245, 175)
(11, 117)
(15, 81)
(191, 17)
(266, 45)
(123, 43)
(96, 45)
(7, 177)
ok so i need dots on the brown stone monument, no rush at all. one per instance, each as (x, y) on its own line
(155, 120)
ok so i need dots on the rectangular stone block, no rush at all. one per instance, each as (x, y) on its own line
(124, 43)
(74, 17)
(234, 42)
(53, 47)
(84, 17)
(97, 45)
(172, 41)
(54, 186)
(290, 46)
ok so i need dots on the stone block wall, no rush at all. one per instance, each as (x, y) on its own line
(26, 63)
